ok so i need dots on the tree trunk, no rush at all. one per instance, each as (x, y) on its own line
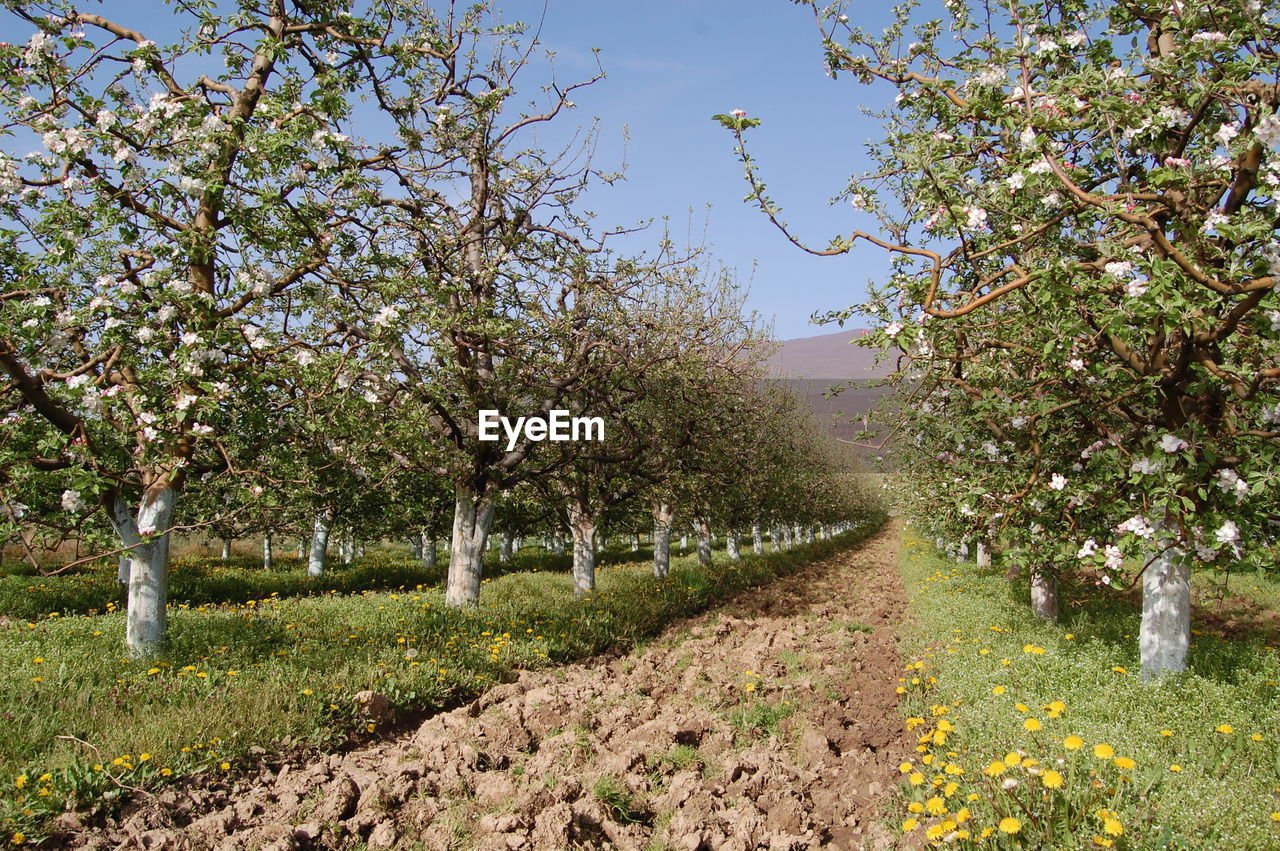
(583, 528)
(662, 515)
(731, 546)
(1166, 615)
(122, 521)
(505, 548)
(704, 541)
(319, 555)
(776, 538)
(267, 554)
(415, 546)
(557, 545)
(635, 542)
(797, 536)
(1044, 595)
(302, 548)
(146, 626)
(757, 540)
(472, 516)
(427, 550)
(684, 543)
(808, 534)
(984, 555)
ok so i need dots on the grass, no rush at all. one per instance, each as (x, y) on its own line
(1194, 759)
(277, 671)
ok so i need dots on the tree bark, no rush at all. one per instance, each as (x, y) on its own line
(122, 521)
(472, 516)
(662, 515)
(146, 625)
(757, 540)
(731, 546)
(318, 558)
(267, 554)
(704, 541)
(1165, 635)
(684, 542)
(557, 545)
(1044, 595)
(984, 555)
(427, 550)
(776, 538)
(302, 548)
(505, 548)
(583, 528)
(226, 549)
(635, 542)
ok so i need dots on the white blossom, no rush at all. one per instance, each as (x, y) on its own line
(1227, 533)
(1076, 365)
(893, 329)
(1146, 466)
(1136, 287)
(1226, 133)
(72, 502)
(1118, 268)
(1172, 443)
(1058, 482)
(1088, 549)
(201, 430)
(386, 315)
(1114, 560)
(304, 357)
(1267, 130)
(1138, 525)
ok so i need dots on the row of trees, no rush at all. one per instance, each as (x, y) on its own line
(270, 273)
(1080, 200)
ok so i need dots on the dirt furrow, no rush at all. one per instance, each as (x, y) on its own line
(768, 722)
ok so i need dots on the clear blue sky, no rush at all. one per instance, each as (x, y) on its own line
(671, 65)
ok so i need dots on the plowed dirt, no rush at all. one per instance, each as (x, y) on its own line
(768, 722)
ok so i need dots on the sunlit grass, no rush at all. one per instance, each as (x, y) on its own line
(1199, 751)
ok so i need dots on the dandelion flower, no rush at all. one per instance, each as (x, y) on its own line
(935, 806)
(1103, 751)
(1224, 729)
(915, 807)
(1125, 763)
(1031, 725)
(916, 778)
(1112, 826)
(1175, 768)
(998, 690)
(1166, 733)
(1051, 779)
(910, 825)
(1010, 825)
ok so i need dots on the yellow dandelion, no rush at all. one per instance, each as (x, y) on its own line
(916, 778)
(1166, 733)
(1175, 768)
(1073, 743)
(998, 690)
(1010, 825)
(1224, 729)
(1103, 751)
(995, 769)
(1031, 725)
(1125, 763)
(915, 807)
(1051, 779)
(1112, 826)
(910, 825)
(935, 806)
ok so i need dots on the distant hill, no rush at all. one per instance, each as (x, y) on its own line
(814, 367)
(826, 356)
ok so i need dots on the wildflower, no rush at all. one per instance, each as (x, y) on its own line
(226, 766)
(21, 781)
(915, 807)
(738, 113)
(1125, 763)
(1032, 725)
(1175, 768)
(910, 825)
(1166, 733)
(1103, 751)
(1051, 779)
(1112, 825)
(1073, 743)
(995, 769)
(1010, 825)
(935, 806)
(916, 778)
(998, 690)
(1224, 729)
(1055, 708)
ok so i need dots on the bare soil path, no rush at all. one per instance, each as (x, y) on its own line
(768, 722)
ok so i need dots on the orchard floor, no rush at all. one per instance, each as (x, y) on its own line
(768, 722)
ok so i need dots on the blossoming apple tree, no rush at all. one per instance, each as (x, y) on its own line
(1079, 198)
(186, 232)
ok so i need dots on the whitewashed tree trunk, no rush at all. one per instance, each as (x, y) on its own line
(684, 542)
(318, 558)
(808, 534)
(940, 545)
(415, 546)
(662, 515)
(123, 522)
(226, 549)
(776, 538)
(302, 548)
(472, 516)
(984, 555)
(583, 528)
(1044, 595)
(1165, 635)
(267, 554)
(797, 536)
(635, 542)
(704, 541)
(505, 548)
(428, 557)
(557, 545)
(146, 625)
(731, 546)
(757, 540)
